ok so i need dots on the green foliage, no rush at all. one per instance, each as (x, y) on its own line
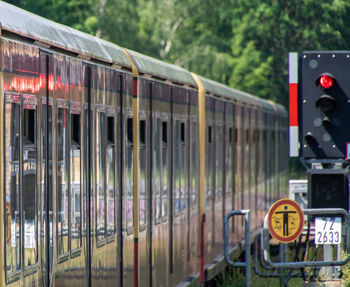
(345, 270)
(73, 13)
(233, 278)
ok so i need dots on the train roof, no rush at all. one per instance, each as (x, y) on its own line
(160, 69)
(37, 28)
(26, 24)
(221, 90)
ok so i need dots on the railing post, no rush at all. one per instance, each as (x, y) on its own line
(245, 264)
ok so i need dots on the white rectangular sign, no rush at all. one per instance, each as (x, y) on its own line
(327, 230)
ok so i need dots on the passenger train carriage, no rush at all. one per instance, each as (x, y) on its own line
(116, 168)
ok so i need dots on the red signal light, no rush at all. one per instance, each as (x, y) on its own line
(326, 81)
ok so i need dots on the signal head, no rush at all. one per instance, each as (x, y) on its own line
(326, 81)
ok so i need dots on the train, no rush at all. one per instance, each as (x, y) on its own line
(117, 168)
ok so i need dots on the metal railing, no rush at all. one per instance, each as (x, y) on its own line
(265, 237)
(246, 263)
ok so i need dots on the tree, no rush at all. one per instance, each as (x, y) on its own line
(78, 14)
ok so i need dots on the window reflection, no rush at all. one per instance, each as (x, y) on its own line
(157, 168)
(75, 177)
(100, 175)
(110, 190)
(110, 172)
(29, 206)
(20, 192)
(194, 165)
(142, 176)
(12, 187)
(164, 148)
(62, 179)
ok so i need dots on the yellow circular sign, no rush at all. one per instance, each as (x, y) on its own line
(285, 220)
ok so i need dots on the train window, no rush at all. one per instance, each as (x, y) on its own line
(142, 132)
(62, 184)
(110, 153)
(228, 163)
(182, 132)
(129, 176)
(236, 136)
(177, 176)
(194, 170)
(29, 132)
(183, 181)
(164, 168)
(209, 168)
(75, 182)
(110, 174)
(118, 173)
(29, 187)
(164, 133)
(180, 166)
(75, 129)
(21, 206)
(110, 130)
(157, 169)
(12, 188)
(130, 132)
(219, 148)
(100, 176)
(142, 175)
(209, 134)
(86, 165)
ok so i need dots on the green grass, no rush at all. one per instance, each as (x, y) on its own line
(234, 277)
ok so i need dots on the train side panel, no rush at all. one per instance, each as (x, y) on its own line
(21, 96)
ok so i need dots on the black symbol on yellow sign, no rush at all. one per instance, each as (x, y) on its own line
(285, 213)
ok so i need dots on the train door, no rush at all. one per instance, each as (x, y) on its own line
(252, 166)
(179, 212)
(104, 269)
(210, 174)
(46, 174)
(161, 147)
(194, 232)
(144, 236)
(219, 155)
(229, 186)
(241, 158)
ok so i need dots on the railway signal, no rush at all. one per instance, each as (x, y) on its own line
(319, 123)
(324, 105)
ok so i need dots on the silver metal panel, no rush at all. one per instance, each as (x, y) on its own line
(293, 68)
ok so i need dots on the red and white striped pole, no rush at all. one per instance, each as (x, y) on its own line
(293, 106)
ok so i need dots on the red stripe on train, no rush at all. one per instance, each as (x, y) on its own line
(202, 248)
(136, 262)
(134, 86)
